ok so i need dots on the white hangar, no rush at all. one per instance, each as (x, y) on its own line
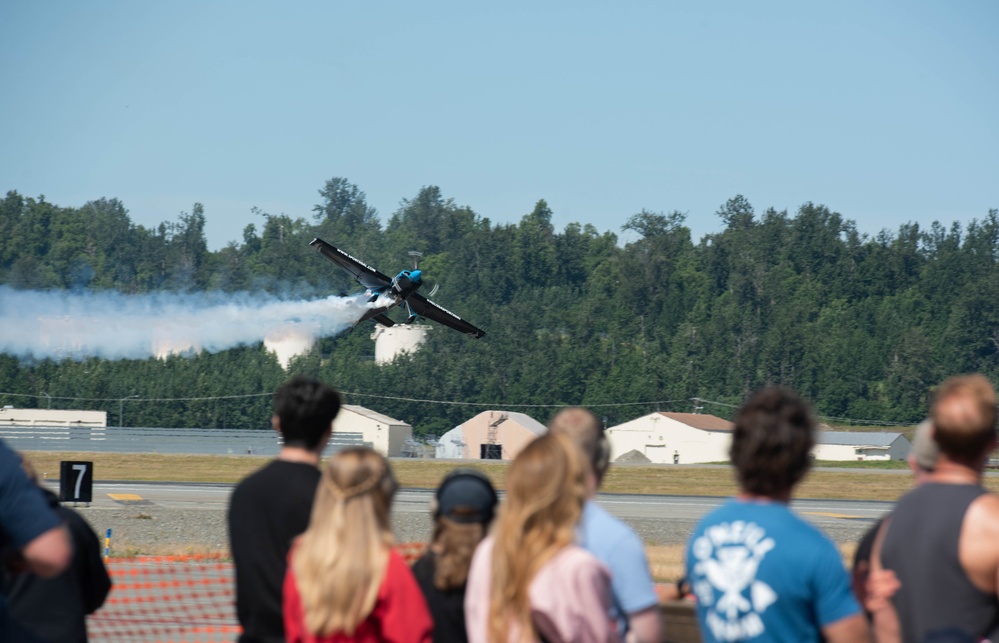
(358, 425)
(861, 445)
(672, 438)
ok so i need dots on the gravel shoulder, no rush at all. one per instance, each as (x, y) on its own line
(155, 530)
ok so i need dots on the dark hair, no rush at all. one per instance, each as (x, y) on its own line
(772, 440)
(305, 409)
(587, 431)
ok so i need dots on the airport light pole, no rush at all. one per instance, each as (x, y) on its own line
(121, 408)
(49, 399)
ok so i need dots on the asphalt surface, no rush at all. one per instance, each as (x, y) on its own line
(158, 517)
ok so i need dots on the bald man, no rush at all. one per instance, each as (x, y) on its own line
(942, 540)
(615, 544)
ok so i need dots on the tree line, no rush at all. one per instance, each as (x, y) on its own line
(863, 325)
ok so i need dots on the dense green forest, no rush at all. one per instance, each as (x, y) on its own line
(863, 325)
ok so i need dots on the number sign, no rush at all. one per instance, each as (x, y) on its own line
(76, 481)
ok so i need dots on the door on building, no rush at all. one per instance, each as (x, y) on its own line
(491, 451)
(656, 453)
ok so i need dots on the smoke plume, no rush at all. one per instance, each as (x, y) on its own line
(111, 325)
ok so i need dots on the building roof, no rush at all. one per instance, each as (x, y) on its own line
(701, 421)
(857, 438)
(523, 420)
(372, 415)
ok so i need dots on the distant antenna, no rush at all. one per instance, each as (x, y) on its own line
(697, 407)
(416, 258)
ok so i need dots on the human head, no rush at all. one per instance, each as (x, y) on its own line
(923, 457)
(304, 410)
(771, 443)
(466, 496)
(964, 418)
(463, 509)
(545, 491)
(587, 431)
(340, 560)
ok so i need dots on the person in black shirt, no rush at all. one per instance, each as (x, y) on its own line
(55, 609)
(272, 506)
(463, 509)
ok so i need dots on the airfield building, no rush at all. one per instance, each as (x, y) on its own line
(671, 438)
(358, 425)
(490, 435)
(861, 445)
(695, 438)
(10, 416)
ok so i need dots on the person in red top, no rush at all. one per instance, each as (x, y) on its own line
(345, 582)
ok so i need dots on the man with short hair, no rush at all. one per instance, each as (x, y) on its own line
(272, 506)
(922, 462)
(942, 539)
(635, 603)
(760, 572)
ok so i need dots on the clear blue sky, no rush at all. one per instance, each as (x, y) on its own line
(886, 112)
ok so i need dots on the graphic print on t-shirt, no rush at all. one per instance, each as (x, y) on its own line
(728, 556)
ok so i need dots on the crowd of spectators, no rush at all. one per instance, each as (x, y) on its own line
(315, 563)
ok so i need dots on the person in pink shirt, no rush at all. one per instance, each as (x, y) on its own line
(529, 580)
(345, 582)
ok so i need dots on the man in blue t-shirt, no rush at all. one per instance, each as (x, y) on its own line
(31, 534)
(635, 603)
(760, 572)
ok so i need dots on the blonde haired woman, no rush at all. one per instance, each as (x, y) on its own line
(529, 581)
(344, 581)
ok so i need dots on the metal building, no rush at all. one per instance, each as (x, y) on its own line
(490, 435)
(358, 425)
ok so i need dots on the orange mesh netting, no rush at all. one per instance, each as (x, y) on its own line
(175, 599)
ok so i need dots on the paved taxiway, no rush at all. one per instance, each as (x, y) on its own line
(843, 520)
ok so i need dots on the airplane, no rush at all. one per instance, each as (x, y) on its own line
(398, 290)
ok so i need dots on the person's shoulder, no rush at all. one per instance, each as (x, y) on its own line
(573, 555)
(983, 515)
(278, 473)
(600, 525)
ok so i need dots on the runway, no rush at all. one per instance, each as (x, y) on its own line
(841, 519)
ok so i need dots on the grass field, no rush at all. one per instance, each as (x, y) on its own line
(867, 484)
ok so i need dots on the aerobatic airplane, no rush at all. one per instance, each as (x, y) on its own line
(394, 291)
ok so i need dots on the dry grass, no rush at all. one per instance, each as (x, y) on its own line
(666, 561)
(666, 480)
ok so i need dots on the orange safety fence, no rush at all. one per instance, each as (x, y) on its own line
(176, 599)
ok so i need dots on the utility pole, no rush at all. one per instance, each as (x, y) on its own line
(121, 408)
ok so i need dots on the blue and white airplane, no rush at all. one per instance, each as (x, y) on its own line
(394, 291)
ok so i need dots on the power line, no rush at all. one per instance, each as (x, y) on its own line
(452, 403)
(828, 418)
(143, 399)
(505, 405)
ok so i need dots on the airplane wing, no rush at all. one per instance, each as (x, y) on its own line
(362, 272)
(426, 308)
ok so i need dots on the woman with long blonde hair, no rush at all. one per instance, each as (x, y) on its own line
(529, 581)
(344, 581)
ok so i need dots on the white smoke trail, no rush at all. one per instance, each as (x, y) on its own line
(111, 325)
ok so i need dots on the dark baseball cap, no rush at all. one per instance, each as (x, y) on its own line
(466, 496)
